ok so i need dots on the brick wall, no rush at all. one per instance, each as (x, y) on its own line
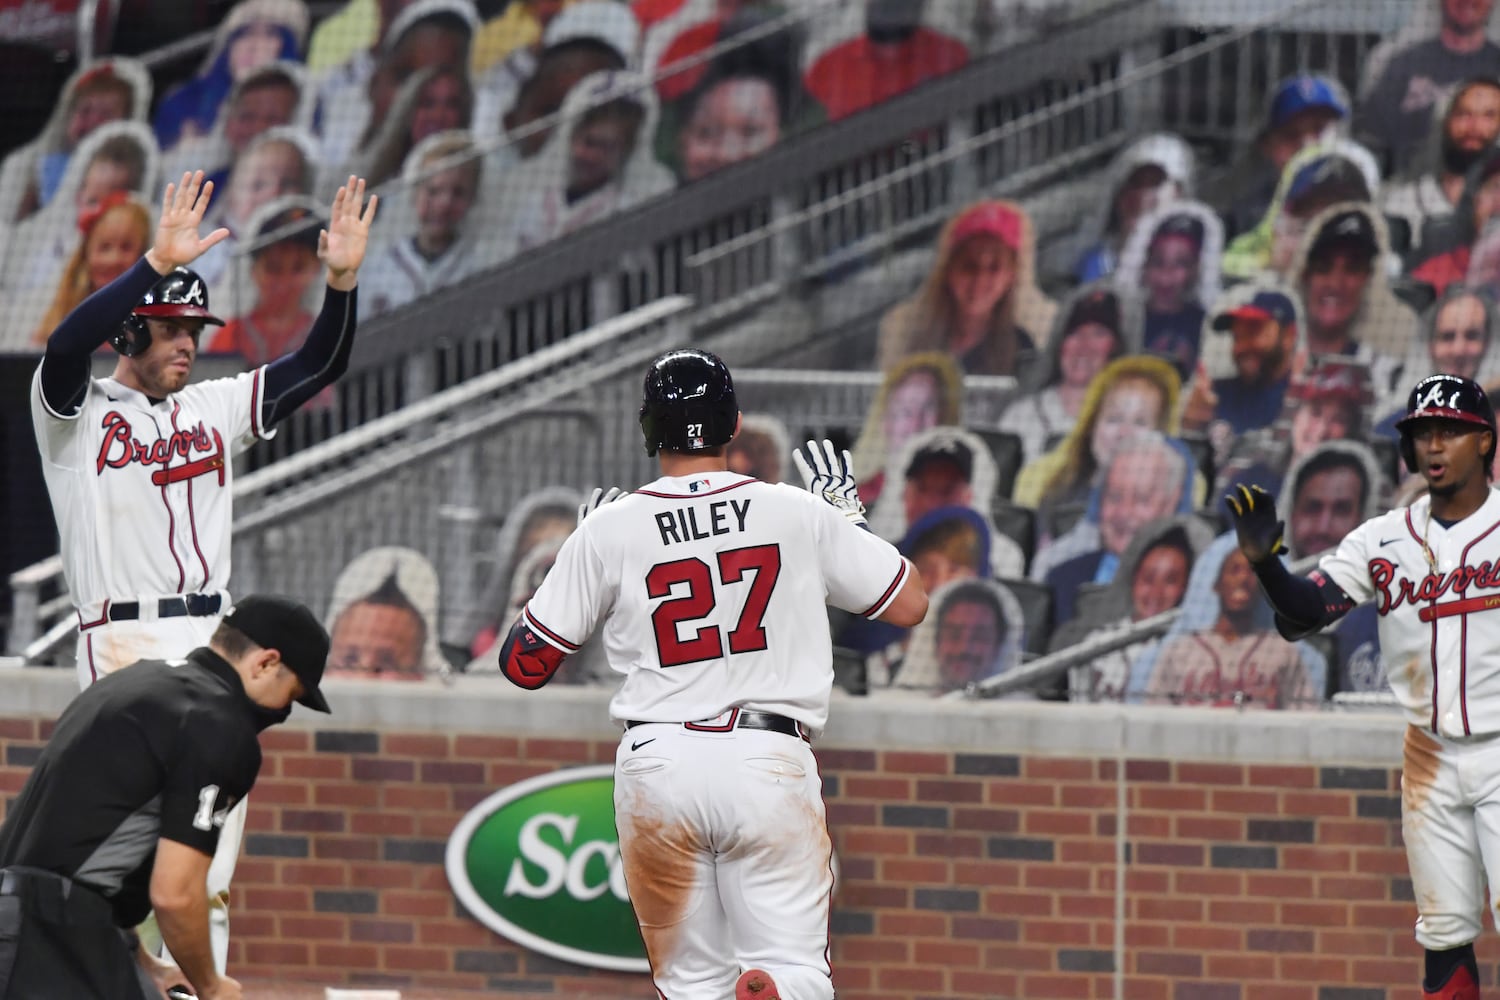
(964, 874)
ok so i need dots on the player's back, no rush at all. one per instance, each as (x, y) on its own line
(720, 585)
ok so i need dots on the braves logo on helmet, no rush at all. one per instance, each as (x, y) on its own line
(180, 292)
(1445, 397)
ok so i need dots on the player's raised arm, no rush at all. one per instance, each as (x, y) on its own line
(324, 356)
(1303, 605)
(65, 367)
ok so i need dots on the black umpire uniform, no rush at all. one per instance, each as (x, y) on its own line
(162, 749)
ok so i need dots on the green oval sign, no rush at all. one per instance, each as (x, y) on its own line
(539, 863)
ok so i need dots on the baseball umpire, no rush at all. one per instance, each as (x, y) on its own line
(1431, 570)
(138, 466)
(710, 587)
(122, 811)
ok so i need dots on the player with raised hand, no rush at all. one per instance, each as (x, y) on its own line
(710, 587)
(1431, 569)
(138, 465)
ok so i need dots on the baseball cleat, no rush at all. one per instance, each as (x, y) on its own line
(756, 985)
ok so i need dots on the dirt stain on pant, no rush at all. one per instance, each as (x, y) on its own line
(659, 857)
(1419, 769)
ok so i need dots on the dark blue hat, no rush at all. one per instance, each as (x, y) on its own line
(1304, 92)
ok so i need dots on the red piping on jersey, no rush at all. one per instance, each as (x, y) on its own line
(1463, 648)
(1432, 653)
(84, 626)
(551, 636)
(255, 402)
(694, 496)
(171, 539)
(210, 463)
(889, 595)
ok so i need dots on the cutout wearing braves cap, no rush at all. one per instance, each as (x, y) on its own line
(1100, 306)
(293, 631)
(1267, 304)
(1304, 92)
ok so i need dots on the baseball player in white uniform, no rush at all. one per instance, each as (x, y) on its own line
(1433, 571)
(138, 465)
(711, 588)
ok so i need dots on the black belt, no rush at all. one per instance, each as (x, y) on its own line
(188, 605)
(55, 895)
(767, 721)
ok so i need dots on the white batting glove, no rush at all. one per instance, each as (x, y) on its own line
(829, 474)
(599, 499)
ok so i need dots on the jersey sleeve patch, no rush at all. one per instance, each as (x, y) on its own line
(527, 659)
(876, 609)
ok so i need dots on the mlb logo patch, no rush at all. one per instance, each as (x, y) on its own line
(697, 484)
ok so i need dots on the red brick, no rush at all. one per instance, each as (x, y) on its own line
(417, 959)
(933, 790)
(1381, 862)
(1242, 911)
(1149, 825)
(416, 745)
(1205, 939)
(416, 798)
(915, 870)
(1057, 769)
(1337, 887)
(878, 951)
(1094, 852)
(280, 740)
(986, 873)
(18, 730)
(1057, 987)
(896, 842)
(1138, 988)
(1276, 776)
(1088, 797)
(949, 845)
(1208, 883)
(906, 762)
(1279, 886)
(343, 956)
(1191, 773)
(503, 775)
(1015, 792)
(1300, 913)
(948, 954)
(982, 984)
(1353, 942)
(491, 748)
(1257, 803)
(276, 953)
(273, 793)
(1059, 822)
(1335, 804)
(1223, 829)
(318, 928)
(415, 904)
(1059, 877)
(1310, 969)
(1353, 832)
(1169, 798)
(381, 824)
(1087, 908)
(565, 751)
(1067, 933)
(1168, 909)
(1021, 958)
(1138, 935)
(1019, 904)
(321, 766)
(910, 979)
(987, 820)
(1296, 857)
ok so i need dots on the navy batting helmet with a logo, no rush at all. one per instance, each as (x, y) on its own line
(1446, 397)
(688, 403)
(179, 292)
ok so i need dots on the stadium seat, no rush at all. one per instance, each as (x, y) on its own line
(1016, 523)
(1036, 608)
(1006, 448)
(1063, 516)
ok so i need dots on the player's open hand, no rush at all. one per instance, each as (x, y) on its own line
(599, 499)
(1253, 512)
(182, 209)
(829, 473)
(342, 245)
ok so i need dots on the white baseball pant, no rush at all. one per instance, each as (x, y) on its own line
(727, 859)
(1450, 820)
(112, 646)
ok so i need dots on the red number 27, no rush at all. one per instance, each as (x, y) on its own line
(706, 643)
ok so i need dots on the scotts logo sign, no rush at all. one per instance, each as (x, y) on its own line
(539, 863)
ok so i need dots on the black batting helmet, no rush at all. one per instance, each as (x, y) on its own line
(1446, 397)
(688, 403)
(179, 292)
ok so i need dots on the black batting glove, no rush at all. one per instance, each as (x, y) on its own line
(1260, 532)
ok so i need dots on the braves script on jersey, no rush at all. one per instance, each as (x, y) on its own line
(1439, 621)
(141, 489)
(714, 587)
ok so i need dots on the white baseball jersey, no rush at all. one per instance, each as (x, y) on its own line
(712, 592)
(1437, 591)
(141, 490)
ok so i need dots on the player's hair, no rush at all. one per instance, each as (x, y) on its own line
(390, 595)
(1327, 460)
(230, 642)
(955, 537)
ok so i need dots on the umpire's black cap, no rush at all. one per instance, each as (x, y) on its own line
(292, 630)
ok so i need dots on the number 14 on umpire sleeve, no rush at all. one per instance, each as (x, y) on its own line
(763, 562)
